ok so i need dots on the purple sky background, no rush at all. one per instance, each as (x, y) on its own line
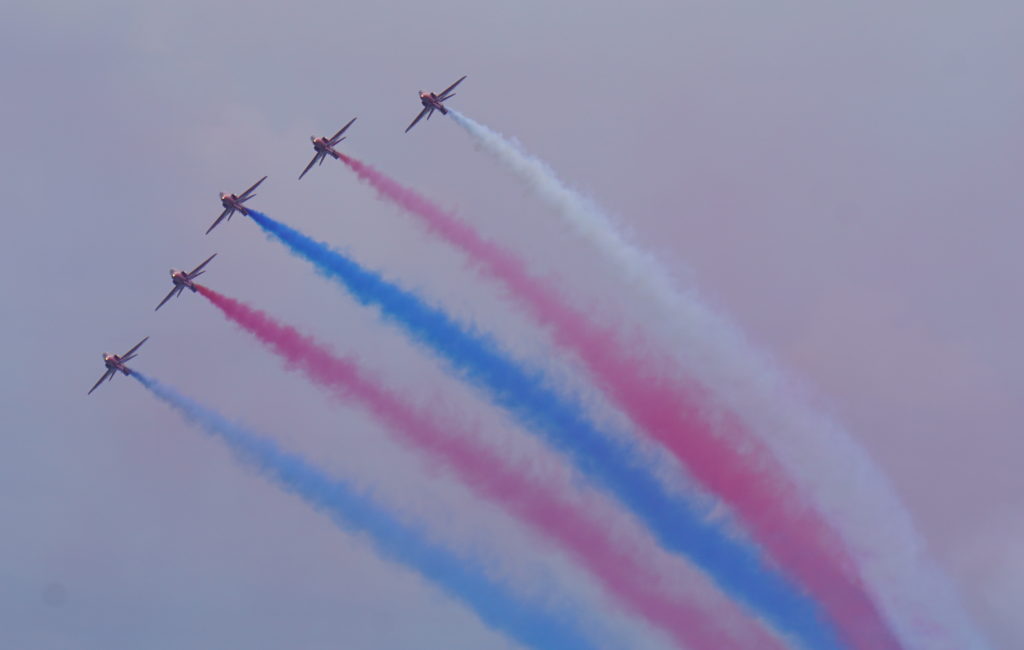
(841, 181)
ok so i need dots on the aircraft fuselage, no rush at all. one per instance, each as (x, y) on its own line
(181, 279)
(231, 202)
(113, 362)
(430, 100)
(323, 146)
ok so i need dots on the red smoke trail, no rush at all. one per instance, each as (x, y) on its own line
(718, 453)
(587, 539)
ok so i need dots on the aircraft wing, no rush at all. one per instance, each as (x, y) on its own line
(227, 213)
(426, 109)
(335, 139)
(167, 297)
(443, 95)
(248, 193)
(131, 353)
(108, 374)
(196, 271)
(311, 163)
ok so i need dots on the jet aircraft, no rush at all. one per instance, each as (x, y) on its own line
(325, 147)
(233, 202)
(184, 280)
(432, 102)
(116, 363)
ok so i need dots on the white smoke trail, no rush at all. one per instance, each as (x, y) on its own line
(851, 492)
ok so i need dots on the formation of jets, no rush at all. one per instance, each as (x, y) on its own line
(322, 147)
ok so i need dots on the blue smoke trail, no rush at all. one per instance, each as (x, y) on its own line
(737, 567)
(353, 512)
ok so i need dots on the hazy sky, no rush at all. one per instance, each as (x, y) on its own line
(842, 181)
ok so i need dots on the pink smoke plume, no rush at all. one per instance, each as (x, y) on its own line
(718, 453)
(588, 539)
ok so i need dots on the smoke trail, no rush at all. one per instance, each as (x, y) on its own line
(720, 455)
(738, 568)
(831, 467)
(354, 512)
(538, 502)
